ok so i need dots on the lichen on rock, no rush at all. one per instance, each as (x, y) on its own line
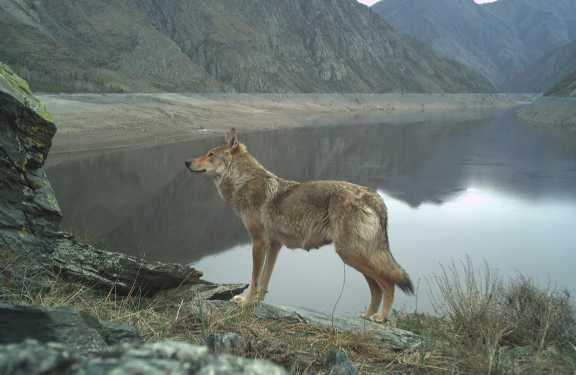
(12, 84)
(28, 209)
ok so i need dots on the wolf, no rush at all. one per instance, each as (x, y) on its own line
(306, 215)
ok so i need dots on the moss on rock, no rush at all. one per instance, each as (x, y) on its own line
(11, 84)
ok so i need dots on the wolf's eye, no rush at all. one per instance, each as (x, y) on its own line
(210, 154)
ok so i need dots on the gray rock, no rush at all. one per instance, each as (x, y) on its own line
(390, 337)
(168, 357)
(119, 333)
(28, 208)
(31, 357)
(230, 343)
(114, 271)
(77, 331)
(200, 289)
(339, 364)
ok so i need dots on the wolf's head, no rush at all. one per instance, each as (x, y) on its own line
(217, 160)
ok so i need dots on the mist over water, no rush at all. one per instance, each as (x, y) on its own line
(493, 188)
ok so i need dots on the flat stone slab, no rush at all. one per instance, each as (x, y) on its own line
(393, 338)
(119, 272)
(200, 289)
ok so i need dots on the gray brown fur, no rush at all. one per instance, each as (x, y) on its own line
(305, 215)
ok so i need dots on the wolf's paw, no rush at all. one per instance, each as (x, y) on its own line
(243, 301)
(378, 318)
(365, 316)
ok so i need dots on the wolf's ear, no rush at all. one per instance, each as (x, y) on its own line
(232, 139)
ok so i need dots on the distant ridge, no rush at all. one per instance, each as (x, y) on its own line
(223, 45)
(498, 40)
(548, 71)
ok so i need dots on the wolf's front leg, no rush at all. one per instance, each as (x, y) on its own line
(271, 256)
(258, 255)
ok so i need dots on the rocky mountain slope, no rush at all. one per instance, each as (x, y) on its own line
(566, 87)
(548, 71)
(498, 40)
(224, 45)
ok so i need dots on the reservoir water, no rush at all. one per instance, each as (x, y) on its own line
(490, 188)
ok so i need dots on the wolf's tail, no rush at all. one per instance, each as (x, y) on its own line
(402, 280)
(397, 274)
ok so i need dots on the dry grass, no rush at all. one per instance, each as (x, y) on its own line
(483, 325)
(539, 317)
(300, 347)
(490, 326)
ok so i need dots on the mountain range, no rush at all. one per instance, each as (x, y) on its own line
(511, 43)
(220, 45)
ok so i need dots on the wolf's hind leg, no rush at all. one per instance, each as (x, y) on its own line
(362, 265)
(375, 297)
(388, 288)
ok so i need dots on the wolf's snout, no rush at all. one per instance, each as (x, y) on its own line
(187, 164)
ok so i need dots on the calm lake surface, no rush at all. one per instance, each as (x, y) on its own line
(492, 189)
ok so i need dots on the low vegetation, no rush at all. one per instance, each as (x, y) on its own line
(481, 325)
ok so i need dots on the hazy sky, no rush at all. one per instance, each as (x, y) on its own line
(370, 2)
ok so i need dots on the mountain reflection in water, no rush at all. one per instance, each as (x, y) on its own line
(492, 188)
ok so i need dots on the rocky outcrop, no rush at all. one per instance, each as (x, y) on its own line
(31, 243)
(114, 271)
(250, 46)
(28, 208)
(167, 357)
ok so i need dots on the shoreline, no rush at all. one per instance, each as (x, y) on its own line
(99, 123)
(551, 112)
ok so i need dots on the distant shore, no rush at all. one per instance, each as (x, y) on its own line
(102, 122)
(551, 112)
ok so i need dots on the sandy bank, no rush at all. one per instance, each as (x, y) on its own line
(92, 122)
(551, 112)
